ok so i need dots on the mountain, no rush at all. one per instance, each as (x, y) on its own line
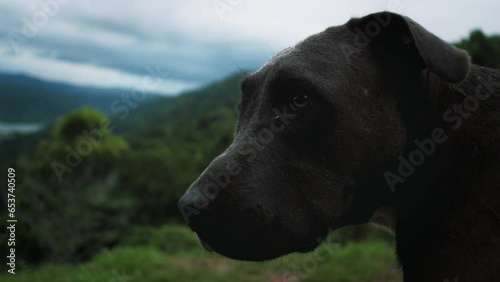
(158, 120)
(29, 100)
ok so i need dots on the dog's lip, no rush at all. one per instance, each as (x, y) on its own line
(306, 247)
(308, 243)
(238, 249)
(226, 240)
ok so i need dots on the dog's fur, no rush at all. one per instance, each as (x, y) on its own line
(293, 174)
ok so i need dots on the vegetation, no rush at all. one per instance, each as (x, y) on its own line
(484, 50)
(171, 253)
(98, 197)
(71, 180)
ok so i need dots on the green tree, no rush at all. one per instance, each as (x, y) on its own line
(484, 50)
(70, 197)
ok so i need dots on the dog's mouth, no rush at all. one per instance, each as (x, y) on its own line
(247, 248)
(252, 248)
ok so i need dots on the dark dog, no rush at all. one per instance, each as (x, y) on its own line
(377, 118)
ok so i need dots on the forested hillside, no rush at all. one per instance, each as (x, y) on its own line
(137, 169)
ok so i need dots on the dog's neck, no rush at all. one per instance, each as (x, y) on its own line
(444, 209)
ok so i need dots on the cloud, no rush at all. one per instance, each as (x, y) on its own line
(88, 74)
(111, 42)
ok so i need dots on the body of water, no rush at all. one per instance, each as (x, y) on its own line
(7, 128)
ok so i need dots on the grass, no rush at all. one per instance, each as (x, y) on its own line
(178, 258)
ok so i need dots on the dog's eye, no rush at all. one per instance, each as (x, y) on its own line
(299, 101)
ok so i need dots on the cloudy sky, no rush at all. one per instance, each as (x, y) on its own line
(111, 43)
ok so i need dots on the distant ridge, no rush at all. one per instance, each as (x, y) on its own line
(26, 99)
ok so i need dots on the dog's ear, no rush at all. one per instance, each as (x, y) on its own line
(402, 37)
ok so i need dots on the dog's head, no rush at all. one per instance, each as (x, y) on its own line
(318, 124)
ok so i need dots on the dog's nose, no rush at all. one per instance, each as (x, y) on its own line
(195, 210)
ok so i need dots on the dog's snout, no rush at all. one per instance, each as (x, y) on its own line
(195, 209)
(207, 207)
